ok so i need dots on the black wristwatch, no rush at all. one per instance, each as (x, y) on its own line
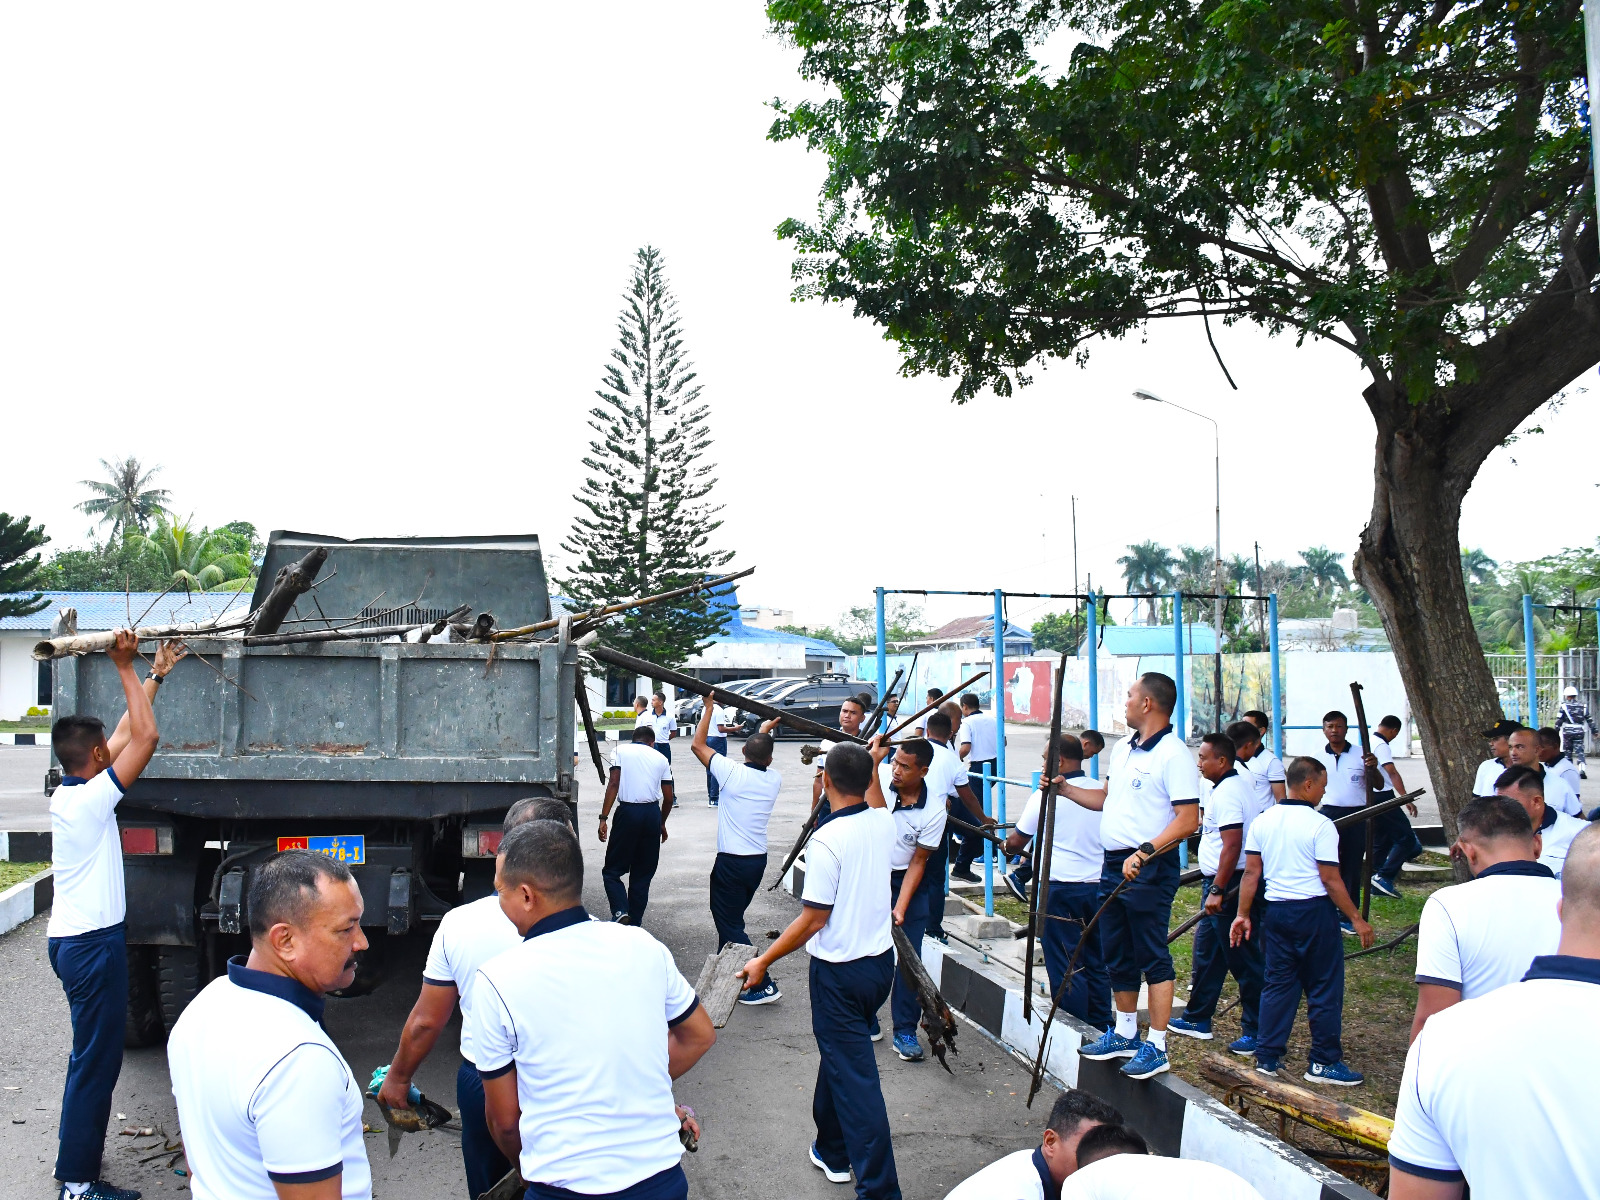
(1146, 849)
(1215, 891)
(158, 680)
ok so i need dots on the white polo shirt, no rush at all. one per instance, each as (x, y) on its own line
(1482, 935)
(1233, 803)
(1147, 783)
(744, 804)
(919, 824)
(647, 717)
(644, 770)
(665, 725)
(1020, 1176)
(946, 773)
(263, 1093)
(1557, 831)
(1263, 770)
(1512, 1115)
(1076, 855)
(1347, 776)
(1561, 795)
(847, 871)
(1292, 837)
(721, 715)
(580, 1010)
(979, 731)
(86, 854)
(1489, 770)
(1568, 771)
(1144, 1176)
(468, 936)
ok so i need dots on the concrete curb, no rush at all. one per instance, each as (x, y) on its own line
(25, 847)
(42, 738)
(22, 901)
(1176, 1118)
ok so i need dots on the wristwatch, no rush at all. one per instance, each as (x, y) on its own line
(1146, 849)
(158, 680)
(1215, 890)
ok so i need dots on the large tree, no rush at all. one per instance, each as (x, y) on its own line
(648, 521)
(19, 566)
(1406, 179)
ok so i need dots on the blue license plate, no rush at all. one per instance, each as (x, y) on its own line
(350, 849)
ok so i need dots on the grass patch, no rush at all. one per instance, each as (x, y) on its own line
(33, 725)
(15, 872)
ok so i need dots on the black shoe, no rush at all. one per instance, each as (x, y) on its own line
(101, 1190)
(964, 874)
(621, 918)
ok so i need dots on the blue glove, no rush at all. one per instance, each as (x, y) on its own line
(413, 1097)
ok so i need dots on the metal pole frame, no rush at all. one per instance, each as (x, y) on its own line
(1277, 674)
(988, 846)
(1532, 719)
(1092, 630)
(883, 656)
(999, 685)
(1180, 714)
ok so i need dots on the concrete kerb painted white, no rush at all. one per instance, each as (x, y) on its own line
(22, 901)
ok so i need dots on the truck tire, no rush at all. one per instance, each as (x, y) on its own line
(144, 1027)
(178, 979)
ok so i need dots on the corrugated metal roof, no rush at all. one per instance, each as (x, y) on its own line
(110, 610)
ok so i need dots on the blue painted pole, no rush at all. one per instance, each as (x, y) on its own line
(999, 683)
(1527, 649)
(988, 846)
(1180, 714)
(1277, 674)
(1094, 684)
(883, 660)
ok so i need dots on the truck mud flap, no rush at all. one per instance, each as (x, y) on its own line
(230, 898)
(400, 909)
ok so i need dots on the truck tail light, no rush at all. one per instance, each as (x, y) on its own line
(481, 841)
(147, 839)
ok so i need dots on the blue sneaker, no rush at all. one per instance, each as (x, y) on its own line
(907, 1047)
(940, 936)
(874, 1029)
(1149, 1061)
(1385, 888)
(1335, 1073)
(1200, 1031)
(1245, 1045)
(1015, 887)
(1268, 1066)
(1110, 1044)
(1346, 928)
(765, 994)
(831, 1174)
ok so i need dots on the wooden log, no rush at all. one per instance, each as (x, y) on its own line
(1343, 1121)
(588, 723)
(1046, 839)
(937, 1021)
(609, 610)
(291, 583)
(95, 643)
(719, 984)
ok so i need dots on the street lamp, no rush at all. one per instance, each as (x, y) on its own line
(1216, 602)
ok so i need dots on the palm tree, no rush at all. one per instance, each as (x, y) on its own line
(1241, 571)
(125, 499)
(1477, 567)
(191, 562)
(1148, 567)
(1505, 618)
(1197, 568)
(1322, 566)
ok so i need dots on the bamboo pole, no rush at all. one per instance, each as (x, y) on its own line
(609, 610)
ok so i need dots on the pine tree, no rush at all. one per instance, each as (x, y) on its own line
(19, 569)
(648, 525)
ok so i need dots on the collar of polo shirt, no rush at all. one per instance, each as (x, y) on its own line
(567, 916)
(1072, 775)
(1549, 818)
(1348, 746)
(848, 811)
(281, 986)
(1233, 773)
(1136, 744)
(1052, 1189)
(921, 800)
(1301, 803)
(1516, 866)
(1564, 966)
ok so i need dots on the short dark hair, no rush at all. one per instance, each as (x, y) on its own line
(1520, 777)
(864, 698)
(1068, 748)
(857, 701)
(934, 693)
(545, 855)
(1302, 768)
(1095, 736)
(1549, 738)
(644, 734)
(758, 748)
(661, 696)
(1222, 744)
(283, 889)
(536, 808)
(1492, 817)
(1105, 1140)
(1256, 717)
(850, 768)
(1073, 1109)
(1162, 691)
(939, 723)
(1242, 733)
(72, 738)
(969, 700)
(1333, 714)
(920, 749)
(1391, 721)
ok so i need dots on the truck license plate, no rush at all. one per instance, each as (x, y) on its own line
(350, 849)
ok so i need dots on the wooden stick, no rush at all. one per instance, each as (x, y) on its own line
(1047, 831)
(588, 725)
(93, 643)
(955, 691)
(292, 581)
(1366, 855)
(608, 610)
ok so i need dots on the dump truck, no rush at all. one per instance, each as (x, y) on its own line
(399, 759)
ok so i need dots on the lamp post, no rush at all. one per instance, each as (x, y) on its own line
(1216, 602)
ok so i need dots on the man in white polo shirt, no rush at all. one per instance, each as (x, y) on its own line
(723, 723)
(663, 724)
(851, 716)
(979, 744)
(748, 791)
(1352, 777)
(268, 1105)
(87, 942)
(640, 787)
(1037, 1174)
(1482, 935)
(468, 936)
(1511, 1116)
(1558, 764)
(1255, 761)
(919, 829)
(1075, 861)
(580, 1031)
(845, 926)
(1499, 735)
(1558, 794)
(1555, 829)
(1152, 800)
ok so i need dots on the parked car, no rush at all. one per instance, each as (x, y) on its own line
(817, 699)
(688, 709)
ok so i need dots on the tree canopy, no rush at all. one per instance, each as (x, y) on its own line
(125, 500)
(20, 540)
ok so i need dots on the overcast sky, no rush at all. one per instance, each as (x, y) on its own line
(355, 269)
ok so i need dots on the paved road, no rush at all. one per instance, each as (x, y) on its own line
(752, 1091)
(22, 801)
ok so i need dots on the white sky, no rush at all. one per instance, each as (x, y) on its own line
(355, 269)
